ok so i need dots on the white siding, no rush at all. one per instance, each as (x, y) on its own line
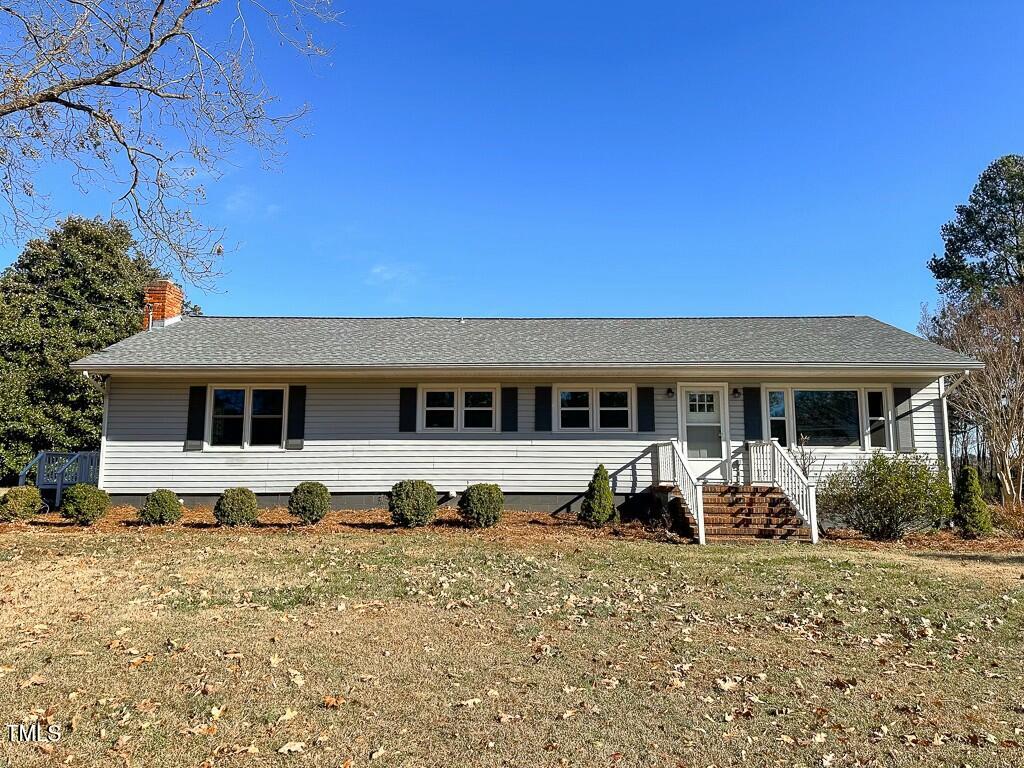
(353, 445)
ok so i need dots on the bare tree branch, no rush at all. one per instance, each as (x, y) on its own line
(142, 95)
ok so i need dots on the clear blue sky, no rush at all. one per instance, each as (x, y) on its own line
(656, 158)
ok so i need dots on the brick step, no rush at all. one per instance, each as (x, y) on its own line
(746, 490)
(746, 522)
(762, 509)
(754, 533)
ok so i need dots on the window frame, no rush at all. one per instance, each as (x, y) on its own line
(246, 418)
(594, 409)
(460, 408)
(862, 390)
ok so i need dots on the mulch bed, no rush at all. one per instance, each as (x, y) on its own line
(931, 541)
(514, 524)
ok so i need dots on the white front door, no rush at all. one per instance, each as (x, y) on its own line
(703, 430)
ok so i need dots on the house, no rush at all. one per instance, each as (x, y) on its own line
(197, 404)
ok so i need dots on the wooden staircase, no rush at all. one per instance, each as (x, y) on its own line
(738, 512)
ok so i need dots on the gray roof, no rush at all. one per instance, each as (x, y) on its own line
(431, 342)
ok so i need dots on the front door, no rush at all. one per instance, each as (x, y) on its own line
(703, 431)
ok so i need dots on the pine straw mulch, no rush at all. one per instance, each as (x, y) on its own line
(515, 525)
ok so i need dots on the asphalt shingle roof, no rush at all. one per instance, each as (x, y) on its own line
(248, 342)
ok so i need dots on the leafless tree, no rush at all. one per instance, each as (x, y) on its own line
(992, 330)
(144, 98)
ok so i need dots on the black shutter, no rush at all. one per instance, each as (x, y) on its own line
(904, 430)
(195, 427)
(542, 409)
(407, 409)
(645, 409)
(752, 429)
(295, 438)
(510, 409)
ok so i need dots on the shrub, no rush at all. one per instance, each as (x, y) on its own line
(481, 504)
(1009, 517)
(972, 515)
(412, 503)
(236, 506)
(160, 508)
(598, 503)
(887, 496)
(310, 502)
(20, 503)
(85, 504)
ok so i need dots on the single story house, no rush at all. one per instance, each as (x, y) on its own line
(198, 404)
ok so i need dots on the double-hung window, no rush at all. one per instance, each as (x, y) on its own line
(777, 415)
(595, 409)
(454, 409)
(246, 417)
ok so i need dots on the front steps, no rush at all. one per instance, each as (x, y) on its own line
(737, 512)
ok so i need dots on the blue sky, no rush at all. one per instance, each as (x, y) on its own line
(656, 158)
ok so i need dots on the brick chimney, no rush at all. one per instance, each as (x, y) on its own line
(164, 301)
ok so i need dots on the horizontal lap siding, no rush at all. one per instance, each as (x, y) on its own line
(353, 445)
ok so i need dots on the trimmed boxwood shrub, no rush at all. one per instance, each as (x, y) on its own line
(20, 503)
(236, 506)
(887, 496)
(598, 503)
(481, 504)
(85, 504)
(972, 514)
(310, 502)
(412, 503)
(160, 508)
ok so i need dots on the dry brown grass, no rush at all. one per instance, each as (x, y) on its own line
(534, 643)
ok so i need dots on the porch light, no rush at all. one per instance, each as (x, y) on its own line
(670, 393)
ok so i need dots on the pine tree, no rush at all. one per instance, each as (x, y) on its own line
(972, 515)
(598, 503)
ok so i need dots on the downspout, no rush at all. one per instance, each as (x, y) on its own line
(945, 429)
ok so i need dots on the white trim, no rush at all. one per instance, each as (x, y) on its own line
(246, 419)
(103, 431)
(722, 387)
(861, 388)
(594, 408)
(459, 391)
(943, 393)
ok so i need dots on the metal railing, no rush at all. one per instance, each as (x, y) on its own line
(56, 470)
(670, 466)
(771, 463)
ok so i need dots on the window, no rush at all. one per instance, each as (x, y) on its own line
(439, 409)
(828, 418)
(777, 415)
(595, 409)
(454, 409)
(574, 409)
(267, 426)
(478, 409)
(877, 431)
(228, 422)
(244, 417)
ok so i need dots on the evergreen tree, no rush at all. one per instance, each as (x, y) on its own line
(972, 515)
(598, 503)
(68, 295)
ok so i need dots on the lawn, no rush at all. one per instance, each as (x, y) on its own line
(524, 645)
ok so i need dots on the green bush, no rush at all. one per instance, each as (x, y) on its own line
(887, 496)
(972, 514)
(85, 504)
(481, 504)
(412, 503)
(160, 508)
(310, 502)
(237, 506)
(598, 503)
(20, 503)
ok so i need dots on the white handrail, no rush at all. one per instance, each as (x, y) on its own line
(771, 463)
(672, 467)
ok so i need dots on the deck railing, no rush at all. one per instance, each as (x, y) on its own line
(56, 470)
(672, 468)
(771, 463)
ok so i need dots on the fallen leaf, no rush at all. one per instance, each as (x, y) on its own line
(297, 679)
(289, 714)
(333, 702)
(292, 747)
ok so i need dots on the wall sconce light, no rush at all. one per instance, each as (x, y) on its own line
(737, 393)
(670, 393)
